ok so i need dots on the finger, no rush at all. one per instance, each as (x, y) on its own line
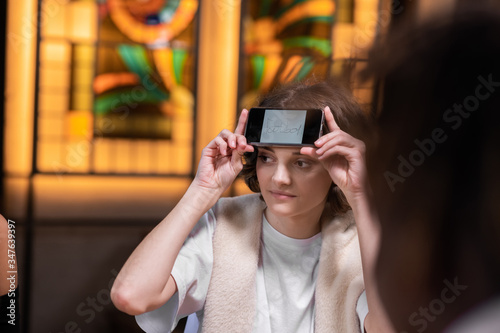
(352, 155)
(242, 149)
(241, 140)
(242, 144)
(349, 139)
(330, 119)
(229, 137)
(221, 144)
(309, 151)
(338, 138)
(240, 128)
(236, 161)
(249, 149)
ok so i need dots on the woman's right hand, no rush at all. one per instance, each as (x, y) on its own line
(220, 161)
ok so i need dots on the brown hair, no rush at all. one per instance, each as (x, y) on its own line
(437, 195)
(344, 107)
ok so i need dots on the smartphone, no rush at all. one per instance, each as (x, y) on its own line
(284, 127)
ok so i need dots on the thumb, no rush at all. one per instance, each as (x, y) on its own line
(309, 151)
(236, 162)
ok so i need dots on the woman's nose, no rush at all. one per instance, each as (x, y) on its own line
(281, 175)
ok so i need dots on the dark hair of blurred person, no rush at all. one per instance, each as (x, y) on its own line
(435, 172)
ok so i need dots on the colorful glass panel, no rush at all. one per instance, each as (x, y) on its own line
(116, 86)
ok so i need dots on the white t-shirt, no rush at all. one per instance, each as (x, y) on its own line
(285, 282)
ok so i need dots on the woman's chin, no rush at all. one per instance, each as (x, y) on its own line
(282, 209)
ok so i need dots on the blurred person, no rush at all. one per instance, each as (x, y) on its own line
(434, 173)
(252, 263)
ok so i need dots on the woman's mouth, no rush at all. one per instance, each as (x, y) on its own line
(282, 195)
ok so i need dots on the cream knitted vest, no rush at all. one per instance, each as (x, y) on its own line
(231, 300)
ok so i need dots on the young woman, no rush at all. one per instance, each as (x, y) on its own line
(285, 260)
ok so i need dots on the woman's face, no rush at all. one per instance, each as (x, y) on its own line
(292, 184)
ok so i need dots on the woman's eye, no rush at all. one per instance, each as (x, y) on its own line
(264, 158)
(302, 164)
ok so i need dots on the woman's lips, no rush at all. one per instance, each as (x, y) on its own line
(282, 195)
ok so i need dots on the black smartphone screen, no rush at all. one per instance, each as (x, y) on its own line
(274, 126)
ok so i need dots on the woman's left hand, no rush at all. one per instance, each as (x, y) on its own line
(343, 156)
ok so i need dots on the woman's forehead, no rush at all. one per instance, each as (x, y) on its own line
(282, 150)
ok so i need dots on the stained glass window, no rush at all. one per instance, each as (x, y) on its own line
(358, 23)
(285, 41)
(116, 87)
(291, 40)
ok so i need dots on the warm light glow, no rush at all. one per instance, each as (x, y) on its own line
(68, 82)
(82, 23)
(76, 155)
(143, 150)
(217, 70)
(163, 61)
(292, 67)
(83, 77)
(343, 36)
(51, 127)
(50, 156)
(240, 188)
(351, 42)
(108, 81)
(82, 99)
(182, 130)
(304, 10)
(57, 52)
(427, 8)
(164, 157)
(19, 87)
(181, 158)
(139, 32)
(67, 142)
(84, 53)
(273, 62)
(102, 155)
(54, 17)
(121, 161)
(54, 78)
(79, 125)
(98, 198)
(363, 95)
(53, 103)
